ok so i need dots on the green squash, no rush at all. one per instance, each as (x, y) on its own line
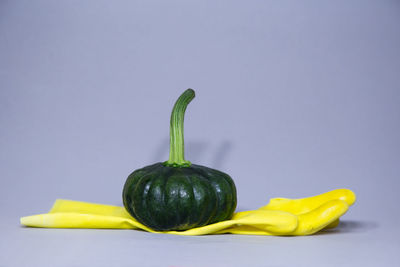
(178, 195)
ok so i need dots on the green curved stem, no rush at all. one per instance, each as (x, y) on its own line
(177, 150)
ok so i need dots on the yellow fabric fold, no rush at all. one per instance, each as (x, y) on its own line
(281, 216)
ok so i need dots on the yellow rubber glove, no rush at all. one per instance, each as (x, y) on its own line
(313, 213)
(280, 217)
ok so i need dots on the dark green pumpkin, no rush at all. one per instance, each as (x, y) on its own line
(178, 195)
(173, 198)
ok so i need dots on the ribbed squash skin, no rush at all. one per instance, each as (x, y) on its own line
(179, 198)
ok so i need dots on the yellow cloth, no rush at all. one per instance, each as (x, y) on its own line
(281, 216)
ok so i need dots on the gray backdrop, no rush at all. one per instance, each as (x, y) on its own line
(294, 98)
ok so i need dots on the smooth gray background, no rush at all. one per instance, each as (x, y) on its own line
(294, 98)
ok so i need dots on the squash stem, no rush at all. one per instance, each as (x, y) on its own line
(177, 150)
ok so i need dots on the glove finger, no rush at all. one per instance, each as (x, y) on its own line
(313, 221)
(303, 205)
(78, 220)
